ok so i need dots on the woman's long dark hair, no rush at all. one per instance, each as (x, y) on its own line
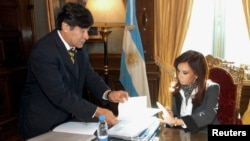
(198, 64)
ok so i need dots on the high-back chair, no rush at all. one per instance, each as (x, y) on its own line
(230, 79)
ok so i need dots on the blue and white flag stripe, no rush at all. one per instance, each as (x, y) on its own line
(133, 74)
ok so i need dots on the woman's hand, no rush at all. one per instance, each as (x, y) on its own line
(168, 119)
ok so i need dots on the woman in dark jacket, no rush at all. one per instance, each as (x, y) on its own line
(195, 97)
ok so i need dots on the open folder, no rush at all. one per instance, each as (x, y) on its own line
(137, 121)
(143, 129)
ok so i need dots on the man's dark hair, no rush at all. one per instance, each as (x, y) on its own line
(74, 14)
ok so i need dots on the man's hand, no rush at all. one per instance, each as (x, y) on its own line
(110, 118)
(118, 96)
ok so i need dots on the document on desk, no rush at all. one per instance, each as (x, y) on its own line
(135, 108)
(60, 136)
(88, 128)
(137, 121)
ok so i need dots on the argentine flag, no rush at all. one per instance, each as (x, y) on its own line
(133, 74)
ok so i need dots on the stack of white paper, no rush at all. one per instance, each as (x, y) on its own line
(135, 119)
(134, 108)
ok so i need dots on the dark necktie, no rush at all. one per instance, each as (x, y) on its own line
(72, 54)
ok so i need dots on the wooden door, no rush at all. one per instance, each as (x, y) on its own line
(145, 19)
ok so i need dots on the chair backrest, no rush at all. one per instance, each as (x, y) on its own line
(230, 79)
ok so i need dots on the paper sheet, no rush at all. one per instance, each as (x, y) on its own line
(60, 136)
(88, 128)
(135, 107)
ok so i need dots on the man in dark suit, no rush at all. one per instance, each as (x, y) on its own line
(55, 85)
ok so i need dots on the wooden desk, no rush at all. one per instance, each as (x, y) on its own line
(165, 134)
(172, 134)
